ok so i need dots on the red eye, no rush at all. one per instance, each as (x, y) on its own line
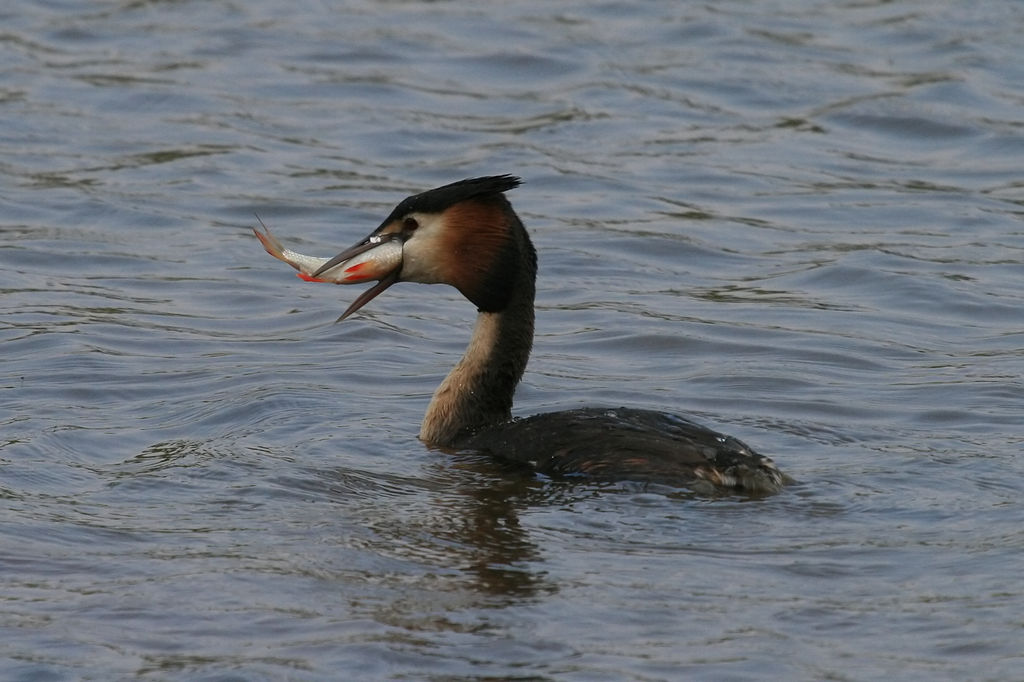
(409, 224)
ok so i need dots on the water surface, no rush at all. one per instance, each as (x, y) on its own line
(799, 222)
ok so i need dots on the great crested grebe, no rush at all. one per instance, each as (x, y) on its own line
(466, 234)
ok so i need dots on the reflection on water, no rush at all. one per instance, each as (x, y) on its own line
(797, 223)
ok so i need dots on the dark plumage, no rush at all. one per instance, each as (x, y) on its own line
(438, 199)
(625, 443)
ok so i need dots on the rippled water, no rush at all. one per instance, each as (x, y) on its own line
(800, 222)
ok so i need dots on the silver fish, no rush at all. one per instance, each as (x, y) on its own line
(371, 264)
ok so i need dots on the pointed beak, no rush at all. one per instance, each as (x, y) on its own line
(378, 257)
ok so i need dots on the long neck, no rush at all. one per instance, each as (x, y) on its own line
(478, 391)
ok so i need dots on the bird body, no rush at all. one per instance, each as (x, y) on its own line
(466, 234)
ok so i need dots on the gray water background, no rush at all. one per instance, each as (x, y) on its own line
(800, 222)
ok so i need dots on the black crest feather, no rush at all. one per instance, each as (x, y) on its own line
(438, 199)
